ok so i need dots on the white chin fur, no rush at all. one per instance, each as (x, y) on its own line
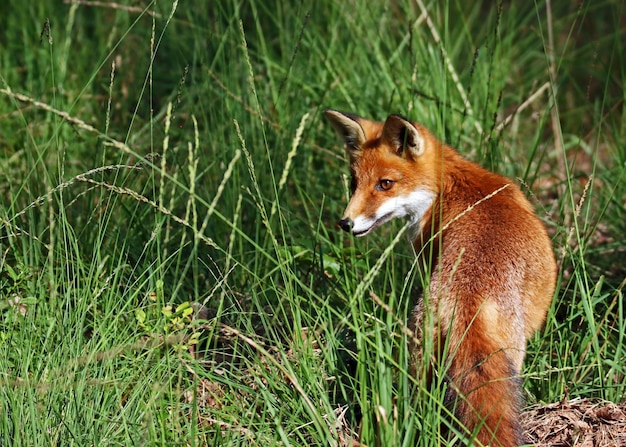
(413, 206)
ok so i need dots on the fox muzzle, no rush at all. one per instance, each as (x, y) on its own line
(346, 224)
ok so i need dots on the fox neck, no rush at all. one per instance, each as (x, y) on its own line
(426, 216)
(419, 211)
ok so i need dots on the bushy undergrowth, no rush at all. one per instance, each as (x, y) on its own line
(170, 268)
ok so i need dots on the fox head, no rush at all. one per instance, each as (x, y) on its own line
(393, 167)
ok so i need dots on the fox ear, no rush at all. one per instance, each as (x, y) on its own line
(403, 136)
(348, 127)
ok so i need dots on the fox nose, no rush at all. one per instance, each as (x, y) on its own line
(346, 224)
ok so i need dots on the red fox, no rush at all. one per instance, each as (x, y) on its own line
(492, 269)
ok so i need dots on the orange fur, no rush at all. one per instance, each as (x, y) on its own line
(493, 270)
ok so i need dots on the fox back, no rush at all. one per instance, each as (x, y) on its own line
(492, 267)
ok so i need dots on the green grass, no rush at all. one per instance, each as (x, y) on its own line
(175, 153)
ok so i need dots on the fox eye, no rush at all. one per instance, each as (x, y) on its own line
(385, 185)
